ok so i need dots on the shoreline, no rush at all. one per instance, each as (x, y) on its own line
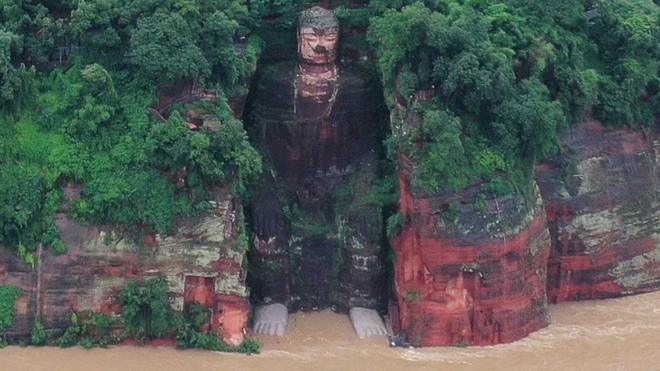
(618, 333)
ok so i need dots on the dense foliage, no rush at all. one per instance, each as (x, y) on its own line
(8, 296)
(166, 40)
(91, 330)
(38, 336)
(192, 334)
(145, 309)
(147, 315)
(506, 75)
(77, 80)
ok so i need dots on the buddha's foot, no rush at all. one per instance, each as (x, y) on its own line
(271, 319)
(367, 322)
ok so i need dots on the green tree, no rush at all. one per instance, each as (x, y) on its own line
(163, 48)
(8, 78)
(146, 311)
(439, 153)
(626, 34)
(28, 204)
(8, 297)
(527, 125)
(37, 30)
(485, 61)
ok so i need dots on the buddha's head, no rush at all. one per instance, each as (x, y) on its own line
(318, 33)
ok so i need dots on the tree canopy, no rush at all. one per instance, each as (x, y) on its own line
(77, 80)
(507, 75)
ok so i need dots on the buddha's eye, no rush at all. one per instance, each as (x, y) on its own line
(331, 37)
(310, 37)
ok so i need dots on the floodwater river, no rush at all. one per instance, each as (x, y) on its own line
(617, 334)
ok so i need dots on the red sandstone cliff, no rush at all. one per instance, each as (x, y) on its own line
(603, 204)
(471, 275)
(202, 262)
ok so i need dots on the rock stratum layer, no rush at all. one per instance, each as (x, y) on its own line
(478, 274)
(203, 262)
(470, 275)
(603, 206)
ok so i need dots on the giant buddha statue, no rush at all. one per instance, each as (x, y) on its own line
(317, 232)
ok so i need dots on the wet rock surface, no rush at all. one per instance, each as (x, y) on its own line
(603, 203)
(477, 277)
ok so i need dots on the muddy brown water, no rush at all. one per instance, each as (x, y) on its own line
(618, 334)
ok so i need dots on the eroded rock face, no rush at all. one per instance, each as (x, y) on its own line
(603, 205)
(203, 262)
(470, 275)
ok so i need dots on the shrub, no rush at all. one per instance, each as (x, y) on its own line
(395, 225)
(413, 295)
(89, 330)
(38, 337)
(8, 297)
(189, 338)
(145, 309)
(250, 346)
(98, 329)
(198, 316)
(72, 333)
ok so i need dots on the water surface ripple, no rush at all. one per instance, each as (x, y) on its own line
(617, 334)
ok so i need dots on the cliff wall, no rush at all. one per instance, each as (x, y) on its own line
(603, 205)
(470, 275)
(470, 272)
(203, 262)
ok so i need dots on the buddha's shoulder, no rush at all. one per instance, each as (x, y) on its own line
(278, 73)
(356, 78)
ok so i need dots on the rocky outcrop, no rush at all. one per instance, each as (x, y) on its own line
(475, 273)
(203, 262)
(602, 197)
(467, 272)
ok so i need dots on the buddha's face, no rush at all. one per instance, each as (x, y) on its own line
(318, 46)
(318, 32)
